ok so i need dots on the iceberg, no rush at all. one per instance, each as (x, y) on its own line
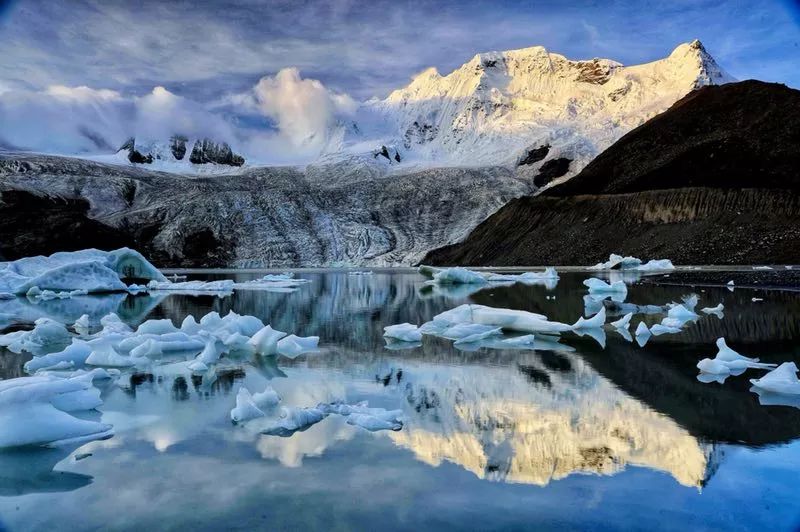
(225, 285)
(405, 332)
(659, 328)
(713, 310)
(37, 411)
(624, 322)
(598, 286)
(246, 408)
(458, 275)
(642, 330)
(89, 270)
(729, 361)
(781, 380)
(618, 262)
(74, 355)
(598, 320)
(293, 346)
(265, 341)
(506, 319)
(46, 333)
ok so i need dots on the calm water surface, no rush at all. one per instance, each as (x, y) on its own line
(621, 437)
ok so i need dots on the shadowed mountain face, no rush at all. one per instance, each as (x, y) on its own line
(712, 180)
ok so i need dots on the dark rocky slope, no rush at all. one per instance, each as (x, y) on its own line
(714, 179)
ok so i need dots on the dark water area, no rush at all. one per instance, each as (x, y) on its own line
(596, 432)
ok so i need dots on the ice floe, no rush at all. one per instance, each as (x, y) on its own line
(404, 332)
(781, 380)
(727, 361)
(253, 406)
(624, 322)
(89, 270)
(38, 411)
(713, 310)
(293, 346)
(618, 262)
(598, 286)
(463, 276)
(596, 321)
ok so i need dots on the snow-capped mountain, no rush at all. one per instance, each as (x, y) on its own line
(528, 106)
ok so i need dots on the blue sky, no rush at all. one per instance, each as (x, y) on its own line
(204, 49)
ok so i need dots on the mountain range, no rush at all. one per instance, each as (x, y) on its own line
(399, 177)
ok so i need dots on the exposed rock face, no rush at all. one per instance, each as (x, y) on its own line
(713, 180)
(177, 145)
(278, 217)
(550, 170)
(534, 155)
(207, 151)
(68, 226)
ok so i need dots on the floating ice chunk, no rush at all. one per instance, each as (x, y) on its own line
(46, 332)
(266, 399)
(729, 361)
(598, 286)
(762, 267)
(150, 348)
(658, 329)
(618, 262)
(190, 325)
(405, 332)
(246, 407)
(112, 324)
(213, 349)
(266, 340)
(757, 299)
(713, 310)
(458, 275)
(642, 330)
(295, 420)
(598, 320)
(34, 411)
(104, 353)
(656, 265)
(781, 380)
(197, 366)
(713, 367)
(507, 319)
(548, 274)
(624, 322)
(428, 271)
(75, 355)
(225, 285)
(477, 333)
(372, 423)
(81, 325)
(293, 346)
(156, 327)
(284, 282)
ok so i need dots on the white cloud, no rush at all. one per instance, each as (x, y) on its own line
(74, 120)
(304, 110)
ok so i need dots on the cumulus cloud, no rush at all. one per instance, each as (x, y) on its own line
(304, 110)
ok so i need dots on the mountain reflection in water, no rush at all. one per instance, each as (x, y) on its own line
(510, 416)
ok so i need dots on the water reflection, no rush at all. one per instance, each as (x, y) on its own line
(599, 405)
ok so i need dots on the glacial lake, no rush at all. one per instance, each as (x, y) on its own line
(578, 436)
